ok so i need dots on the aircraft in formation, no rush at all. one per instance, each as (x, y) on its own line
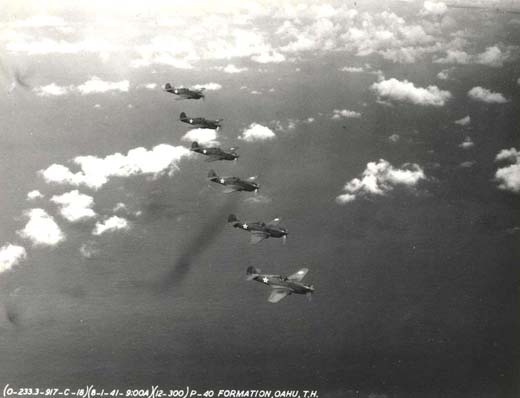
(282, 286)
(214, 153)
(184, 93)
(201, 122)
(260, 230)
(234, 184)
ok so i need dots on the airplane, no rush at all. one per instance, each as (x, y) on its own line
(184, 93)
(214, 153)
(201, 122)
(234, 184)
(282, 286)
(260, 230)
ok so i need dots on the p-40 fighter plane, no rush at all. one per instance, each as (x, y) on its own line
(214, 153)
(282, 286)
(260, 230)
(234, 184)
(184, 93)
(201, 122)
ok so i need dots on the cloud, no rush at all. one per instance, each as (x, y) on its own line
(454, 56)
(95, 172)
(464, 121)
(352, 69)
(51, 90)
(380, 178)
(111, 224)
(257, 132)
(345, 113)
(435, 8)
(394, 138)
(508, 177)
(467, 164)
(89, 249)
(232, 69)
(406, 91)
(443, 74)
(493, 56)
(41, 229)
(75, 206)
(267, 57)
(483, 94)
(96, 85)
(202, 136)
(11, 255)
(33, 195)
(208, 86)
(467, 143)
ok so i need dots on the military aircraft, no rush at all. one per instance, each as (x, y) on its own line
(201, 122)
(234, 184)
(282, 286)
(214, 153)
(184, 93)
(260, 230)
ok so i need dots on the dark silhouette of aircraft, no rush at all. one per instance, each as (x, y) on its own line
(214, 153)
(201, 122)
(234, 184)
(282, 286)
(260, 230)
(184, 93)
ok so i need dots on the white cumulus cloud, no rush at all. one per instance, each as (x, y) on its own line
(345, 113)
(51, 90)
(11, 255)
(379, 178)
(33, 195)
(202, 136)
(467, 143)
(96, 85)
(111, 224)
(41, 229)
(257, 132)
(75, 206)
(508, 177)
(483, 94)
(208, 86)
(95, 172)
(406, 91)
(435, 8)
(464, 121)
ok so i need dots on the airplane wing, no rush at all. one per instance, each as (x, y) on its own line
(213, 158)
(258, 236)
(232, 188)
(278, 294)
(298, 276)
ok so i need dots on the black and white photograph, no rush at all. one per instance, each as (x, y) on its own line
(260, 198)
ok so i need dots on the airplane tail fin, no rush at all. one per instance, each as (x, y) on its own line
(212, 175)
(167, 86)
(232, 218)
(194, 145)
(252, 273)
(183, 116)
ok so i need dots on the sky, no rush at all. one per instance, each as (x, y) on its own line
(383, 134)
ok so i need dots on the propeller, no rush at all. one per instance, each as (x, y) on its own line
(284, 239)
